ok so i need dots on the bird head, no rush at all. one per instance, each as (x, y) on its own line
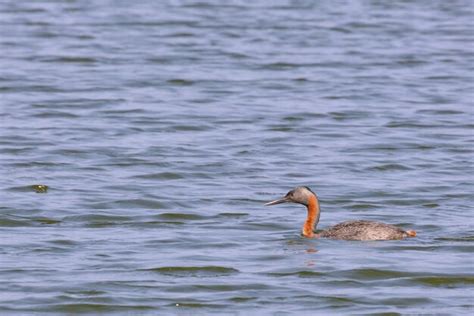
(298, 195)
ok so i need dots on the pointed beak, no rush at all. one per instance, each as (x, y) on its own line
(279, 201)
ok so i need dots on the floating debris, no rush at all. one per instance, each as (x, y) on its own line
(40, 188)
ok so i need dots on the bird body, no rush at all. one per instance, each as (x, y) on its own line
(349, 230)
(364, 230)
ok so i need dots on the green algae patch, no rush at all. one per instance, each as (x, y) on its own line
(46, 221)
(446, 281)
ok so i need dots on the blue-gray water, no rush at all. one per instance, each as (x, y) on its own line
(161, 128)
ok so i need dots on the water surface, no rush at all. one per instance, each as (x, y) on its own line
(161, 128)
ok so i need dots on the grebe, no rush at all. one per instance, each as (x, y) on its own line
(350, 230)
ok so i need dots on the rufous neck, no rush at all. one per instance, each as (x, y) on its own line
(313, 217)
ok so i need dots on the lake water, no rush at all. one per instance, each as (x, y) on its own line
(162, 127)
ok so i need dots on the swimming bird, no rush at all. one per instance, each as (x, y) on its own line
(350, 230)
